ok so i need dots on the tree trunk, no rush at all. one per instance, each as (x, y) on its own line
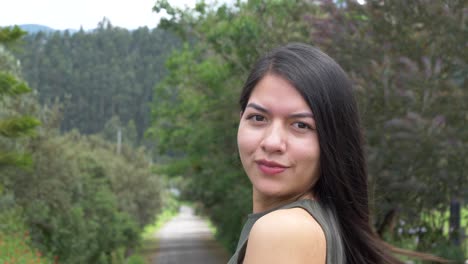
(389, 222)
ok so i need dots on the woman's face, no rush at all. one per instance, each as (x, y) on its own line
(277, 140)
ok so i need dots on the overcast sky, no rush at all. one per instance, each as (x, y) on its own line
(71, 14)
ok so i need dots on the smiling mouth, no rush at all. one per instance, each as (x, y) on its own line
(270, 168)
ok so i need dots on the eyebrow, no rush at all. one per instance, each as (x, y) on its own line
(259, 108)
(264, 110)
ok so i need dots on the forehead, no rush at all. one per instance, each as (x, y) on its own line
(273, 91)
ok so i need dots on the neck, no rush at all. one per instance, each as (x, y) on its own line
(263, 203)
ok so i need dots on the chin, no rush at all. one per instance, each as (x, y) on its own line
(271, 190)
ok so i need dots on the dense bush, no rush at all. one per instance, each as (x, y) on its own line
(15, 240)
(83, 201)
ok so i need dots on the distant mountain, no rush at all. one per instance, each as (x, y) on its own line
(34, 28)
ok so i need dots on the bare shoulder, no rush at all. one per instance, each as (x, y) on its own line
(286, 236)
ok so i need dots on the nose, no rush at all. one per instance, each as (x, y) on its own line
(274, 139)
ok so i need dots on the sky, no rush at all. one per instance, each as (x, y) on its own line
(73, 14)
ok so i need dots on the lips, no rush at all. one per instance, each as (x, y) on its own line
(270, 167)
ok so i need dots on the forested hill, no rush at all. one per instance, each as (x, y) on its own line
(35, 28)
(105, 74)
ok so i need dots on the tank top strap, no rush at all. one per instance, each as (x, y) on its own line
(325, 217)
(330, 226)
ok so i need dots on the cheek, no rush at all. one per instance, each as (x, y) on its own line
(245, 140)
(308, 153)
(248, 141)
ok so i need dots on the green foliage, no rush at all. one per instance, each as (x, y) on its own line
(136, 259)
(14, 237)
(14, 249)
(196, 121)
(169, 210)
(410, 82)
(15, 122)
(11, 86)
(15, 240)
(11, 221)
(19, 126)
(109, 72)
(408, 64)
(10, 35)
(83, 201)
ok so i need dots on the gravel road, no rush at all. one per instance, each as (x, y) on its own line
(187, 239)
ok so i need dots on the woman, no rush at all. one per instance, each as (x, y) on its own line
(301, 146)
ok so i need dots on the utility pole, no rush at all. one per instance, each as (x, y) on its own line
(119, 140)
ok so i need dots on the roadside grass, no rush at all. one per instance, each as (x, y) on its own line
(149, 244)
(165, 216)
(211, 226)
(15, 249)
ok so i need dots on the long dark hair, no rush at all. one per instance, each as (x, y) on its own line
(342, 185)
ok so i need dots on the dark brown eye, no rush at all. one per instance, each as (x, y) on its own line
(256, 118)
(259, 118)
(301, 125)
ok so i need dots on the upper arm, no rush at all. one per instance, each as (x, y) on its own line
(286, 236)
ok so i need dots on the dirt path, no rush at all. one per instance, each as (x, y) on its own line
(187, 239)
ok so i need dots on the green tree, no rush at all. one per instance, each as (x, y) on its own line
(13, 124)
(16, 125)
(78, 198)
(82, 201)
(409, 64)
(196, 114)
(97, 75)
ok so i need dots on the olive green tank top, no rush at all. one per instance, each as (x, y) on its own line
(324, 216)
